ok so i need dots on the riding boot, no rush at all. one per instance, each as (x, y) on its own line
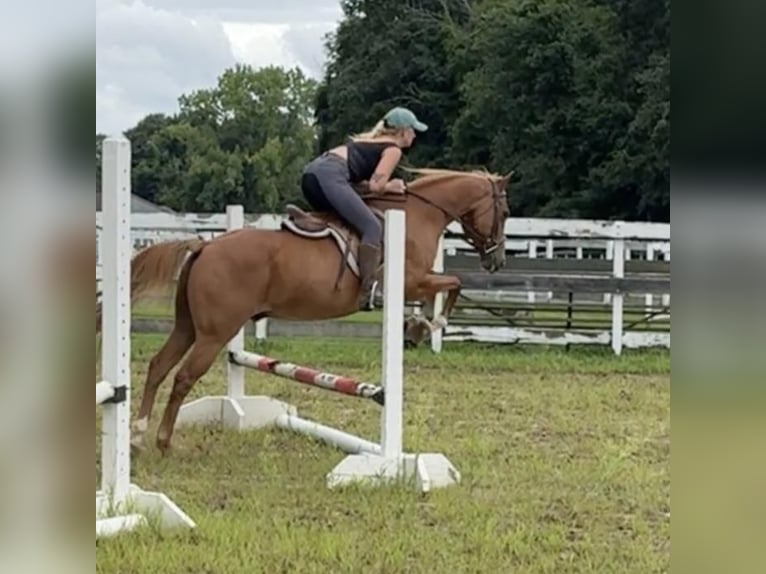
(369, 259)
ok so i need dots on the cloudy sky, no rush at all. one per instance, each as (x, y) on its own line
(148, 52)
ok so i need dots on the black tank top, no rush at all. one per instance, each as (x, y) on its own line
(363, 158)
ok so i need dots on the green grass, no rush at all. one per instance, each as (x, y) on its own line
(564, 459)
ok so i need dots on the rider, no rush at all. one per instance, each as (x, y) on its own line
(365, 161)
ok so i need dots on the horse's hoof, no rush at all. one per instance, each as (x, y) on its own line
(163, 445)
(136, 447)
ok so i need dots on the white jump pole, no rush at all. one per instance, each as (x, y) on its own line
(368, 462)
(120, 505)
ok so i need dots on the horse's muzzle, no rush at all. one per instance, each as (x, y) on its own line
(494, 260)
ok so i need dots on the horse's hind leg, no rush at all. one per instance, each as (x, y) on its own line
(202, 356)
(179, 341)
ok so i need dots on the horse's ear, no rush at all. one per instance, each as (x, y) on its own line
(507, 177)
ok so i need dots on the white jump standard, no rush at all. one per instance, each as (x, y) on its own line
(120, 505)
(374, 463)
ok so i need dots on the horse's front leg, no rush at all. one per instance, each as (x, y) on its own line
(418, 327)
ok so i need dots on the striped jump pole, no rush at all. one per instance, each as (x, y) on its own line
(328, 381)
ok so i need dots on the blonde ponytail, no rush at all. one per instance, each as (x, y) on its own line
(378, 130)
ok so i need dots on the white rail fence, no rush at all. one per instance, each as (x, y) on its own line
(533, 238)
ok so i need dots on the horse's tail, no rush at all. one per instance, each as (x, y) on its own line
(183, 313)
(155, 268)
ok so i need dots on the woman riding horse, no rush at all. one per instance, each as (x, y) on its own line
(366, 162)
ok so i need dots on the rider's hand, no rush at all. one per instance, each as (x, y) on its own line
(396, 186)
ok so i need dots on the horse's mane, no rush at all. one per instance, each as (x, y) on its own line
(427, 175)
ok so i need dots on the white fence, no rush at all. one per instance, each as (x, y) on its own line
(551, 238)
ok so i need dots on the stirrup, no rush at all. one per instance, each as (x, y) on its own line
(367, 300)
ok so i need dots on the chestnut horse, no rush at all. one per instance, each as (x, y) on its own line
(256, 273)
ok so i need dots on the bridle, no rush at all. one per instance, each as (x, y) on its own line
(483, 245)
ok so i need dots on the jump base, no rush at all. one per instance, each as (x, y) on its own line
(241, 413)
(139, 508)
(426, 471)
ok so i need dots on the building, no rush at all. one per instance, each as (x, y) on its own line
(138, 205)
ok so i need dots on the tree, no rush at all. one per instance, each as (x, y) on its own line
(635, 180)
(145, 174)
(367, 73)
(193, 172)
(547, 97)
(244, 140)
(571, 94)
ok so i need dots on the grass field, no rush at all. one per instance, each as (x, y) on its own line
(564, 459)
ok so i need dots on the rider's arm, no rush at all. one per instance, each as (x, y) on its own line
(389, 159)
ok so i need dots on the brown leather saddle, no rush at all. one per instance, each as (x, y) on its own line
(318, 226)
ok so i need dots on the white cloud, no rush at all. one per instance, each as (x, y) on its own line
(306, 43)
(151, 52)
(147, 57)
(259, 44)
(262, 11)
(287, 45)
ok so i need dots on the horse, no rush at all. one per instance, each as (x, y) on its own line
(288, 273)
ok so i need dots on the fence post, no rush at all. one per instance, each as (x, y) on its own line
(549, 256)
(532, 255)
(235, 219)
(649, 298)
(665, 298)
(618, 271)
(609, 257)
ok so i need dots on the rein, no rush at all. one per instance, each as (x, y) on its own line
(484, 245)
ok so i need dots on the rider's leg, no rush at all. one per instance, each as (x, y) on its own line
(332, 174)
(313, 194)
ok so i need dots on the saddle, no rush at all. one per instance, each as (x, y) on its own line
(317, 226)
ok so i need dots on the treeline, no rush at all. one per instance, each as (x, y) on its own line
(574, 95)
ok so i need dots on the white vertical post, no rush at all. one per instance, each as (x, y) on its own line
(437, 336)
(578, 252)
(235, 219)
(532, 255)
(549, 255)
(261, 329)
(115, 347)
(609, 257)
(618, 271)
(116, 489)
(648, 298)
(665, 298)
(392, 370)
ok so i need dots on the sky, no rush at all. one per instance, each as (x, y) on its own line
(149, 52)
